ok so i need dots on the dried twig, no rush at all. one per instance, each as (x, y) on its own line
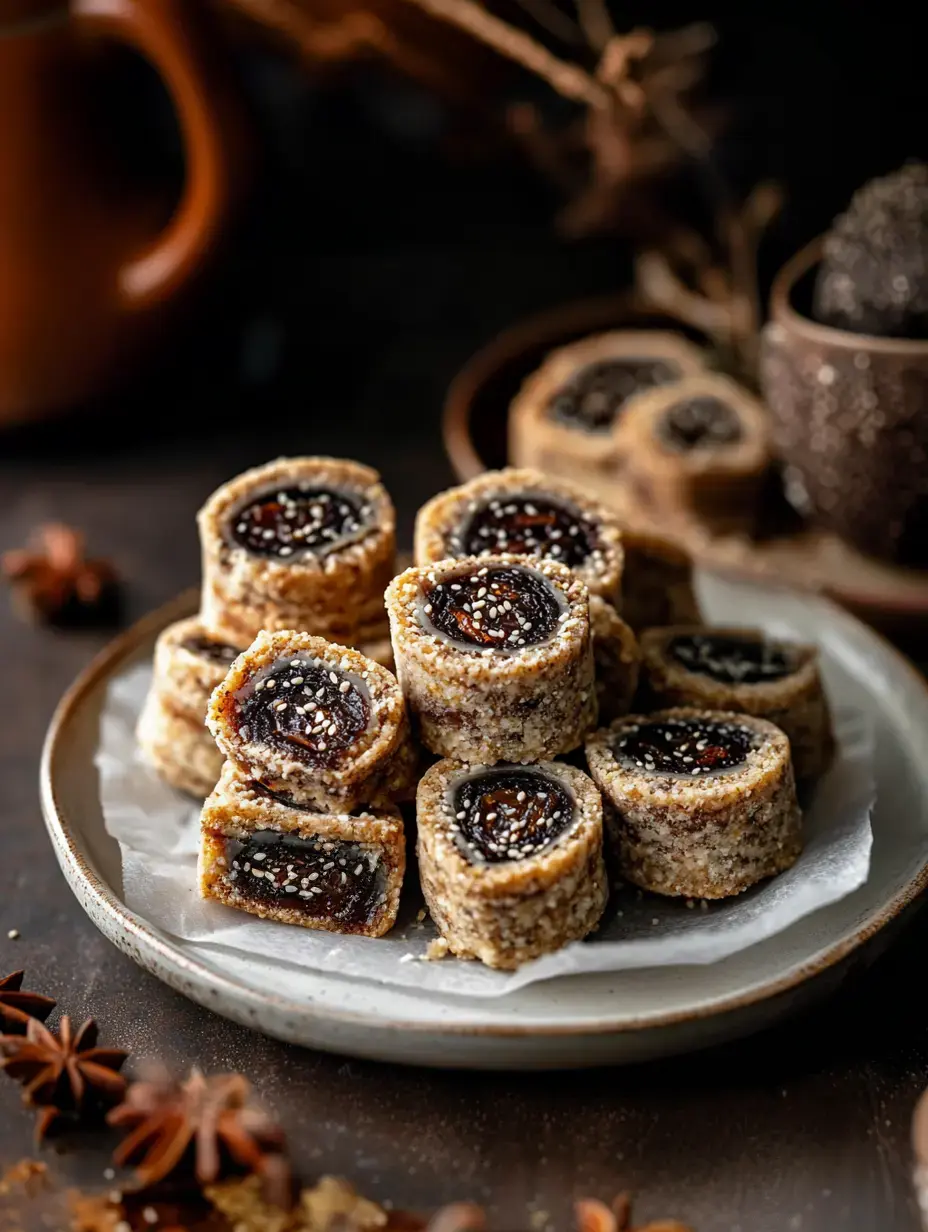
(568, 79)
(596, 23)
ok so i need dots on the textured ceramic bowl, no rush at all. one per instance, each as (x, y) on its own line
(851, 420)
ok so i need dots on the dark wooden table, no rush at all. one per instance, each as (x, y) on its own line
(805, 1127)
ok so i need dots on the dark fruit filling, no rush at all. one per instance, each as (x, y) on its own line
(731, 660)
(700, 423)
(509, 813)
(594, 398)
(526, 526)
(684, 746)
(293, 521)
(499, 609)
(208, 648)
(306, 709)
(324, 879)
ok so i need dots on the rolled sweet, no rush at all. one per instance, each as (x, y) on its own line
(301, 543)
(172, 729)
(189, 663)
(565, 417)
(335, 871)
(179, 748)
(700, 447)
(525, 513)
(745, 671)
(510, 858)
(318, 723)
(617, 660)
(697, 803)
(657, 582)
(495, 657)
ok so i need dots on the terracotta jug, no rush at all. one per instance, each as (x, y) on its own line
(86, 274)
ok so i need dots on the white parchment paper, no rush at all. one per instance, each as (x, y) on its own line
(156, 828)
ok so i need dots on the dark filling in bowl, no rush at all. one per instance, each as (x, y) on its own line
(699, 423)
(731, 660)
(526, 526)
(294, 521)
(306, 709)
(323, 879)
(686, 747)
(509, 813)
(594, 397)
(209, 648)
(502, 609)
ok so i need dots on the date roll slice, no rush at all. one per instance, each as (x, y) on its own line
(697, 803)
(657, 582)
(525, 513)
(301, 543)
(742, 670)
(565, 419)
(172, 731)
(495, 657)
(318, 723)
(335, 871)
(510, 858)
(701, 447)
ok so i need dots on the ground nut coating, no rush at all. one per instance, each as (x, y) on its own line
(317, 722)
(301, 543)
(509, 675)
(740, 669)
(510, 858)
(697, 803)
(523, 512)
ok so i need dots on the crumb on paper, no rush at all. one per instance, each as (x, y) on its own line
(437, 949)
(408, 958)
(13, 934)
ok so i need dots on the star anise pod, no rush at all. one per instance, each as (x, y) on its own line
(595, 1216)
(18, 1007)
(210, 1123)
(64, 1075)
(54, 580)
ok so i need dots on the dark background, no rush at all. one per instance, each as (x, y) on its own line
(365, 268)
(374, 255)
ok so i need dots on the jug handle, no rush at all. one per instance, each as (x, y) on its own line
(163, 31)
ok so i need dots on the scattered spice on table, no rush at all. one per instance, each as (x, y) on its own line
(55, 582)
(65, 1074)
(18, 1007)
(211, 1124)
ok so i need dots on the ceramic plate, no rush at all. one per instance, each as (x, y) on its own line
(577, 1021)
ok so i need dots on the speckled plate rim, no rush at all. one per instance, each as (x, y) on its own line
(120, 924)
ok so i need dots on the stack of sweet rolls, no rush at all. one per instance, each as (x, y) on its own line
(698, 789)
(497, 633)
(581, 721)
(303, 825)
(301, 543)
